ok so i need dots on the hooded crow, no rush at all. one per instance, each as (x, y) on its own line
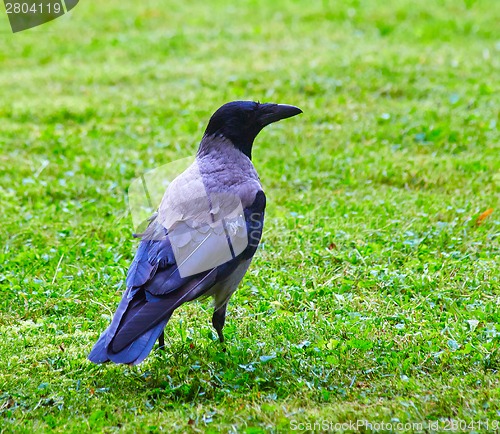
(202, 238)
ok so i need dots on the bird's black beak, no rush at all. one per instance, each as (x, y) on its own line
(276, 112)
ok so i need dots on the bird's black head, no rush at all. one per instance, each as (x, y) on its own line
(241, 121)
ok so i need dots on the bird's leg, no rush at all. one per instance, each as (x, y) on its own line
(161, 341)
(218, 320)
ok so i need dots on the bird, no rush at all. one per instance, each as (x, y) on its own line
(201, 239)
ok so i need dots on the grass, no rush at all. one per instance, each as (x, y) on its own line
(376, 293)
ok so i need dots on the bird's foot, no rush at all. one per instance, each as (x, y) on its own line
(161, 342)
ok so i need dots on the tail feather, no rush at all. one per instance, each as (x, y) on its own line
(141, 317)
(132, 354)
(99, 353)
(139, 349)
(139, 321)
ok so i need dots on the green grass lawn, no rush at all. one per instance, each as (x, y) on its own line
(376, 294)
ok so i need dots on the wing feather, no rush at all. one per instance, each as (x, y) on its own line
(155, 287)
